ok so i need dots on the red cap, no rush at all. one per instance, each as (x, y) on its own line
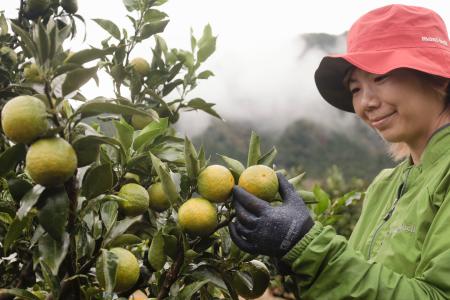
(384, 39)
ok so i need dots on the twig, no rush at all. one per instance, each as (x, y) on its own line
(172, 275)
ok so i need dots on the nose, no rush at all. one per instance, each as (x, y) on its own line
(369, 99)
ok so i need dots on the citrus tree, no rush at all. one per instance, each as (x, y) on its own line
(102, 198)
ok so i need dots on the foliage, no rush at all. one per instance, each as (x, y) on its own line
(52, 238)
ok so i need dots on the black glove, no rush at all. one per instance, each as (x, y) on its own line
(260, 228)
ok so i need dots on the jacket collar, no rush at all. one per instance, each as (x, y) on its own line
(437, 145)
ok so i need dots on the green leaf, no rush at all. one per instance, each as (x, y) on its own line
(27, 43)
(268, 158)
(108, 264)
(109, 26)
(89, 141)
(131, 5)
(206, 45)
(295, 181)
(254, 150)
(154, 15)
(23, 294)
(98, 180)
(235, 166)
(152, 28)
(169, 186)
(119, 228)
(124, 133)
(205, 74)
(14, 231)
(29, 200)
(43, 43)
(88, 55)
(96, 107)
(50, 279)
(3, 25)
(109, 212)
(54, 214)
(156, 256)
(189, 290)
(5, 218)
(198, 103)
(170, 86)
(192, 163)
(150, 132)
(323, 200)
(170, 245)
(53, 252)
(11, 157)
(77, 78)
(18, 187)
(307, 196)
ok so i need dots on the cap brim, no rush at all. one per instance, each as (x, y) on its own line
(330, 74)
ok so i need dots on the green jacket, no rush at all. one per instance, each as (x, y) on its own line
(400, 247)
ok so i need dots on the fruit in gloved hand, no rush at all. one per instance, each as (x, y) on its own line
(127, 270)
(135, 199)
(51, 161)
(260, 278)
(260, 181)
(158, 198)
(24, 118)
(198, 216)
(70, 6)
(141, 66)
(215, 183)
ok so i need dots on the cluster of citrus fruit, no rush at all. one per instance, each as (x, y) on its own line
(38, 8)
(50, 161)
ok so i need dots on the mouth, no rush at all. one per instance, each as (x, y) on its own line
(381, 122)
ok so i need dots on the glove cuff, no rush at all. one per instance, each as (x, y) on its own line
(295, 234)
(297, 250)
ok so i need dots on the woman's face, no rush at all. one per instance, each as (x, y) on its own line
(398, 104)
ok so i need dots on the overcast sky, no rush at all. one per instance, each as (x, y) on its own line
(256, 62)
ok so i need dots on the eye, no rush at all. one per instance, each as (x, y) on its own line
(381, 78)
(354, 90)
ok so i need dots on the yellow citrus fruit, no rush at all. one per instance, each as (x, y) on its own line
(260, 278)
(197, 216)
(24, 118)
(138, 295)
(70, 6)
(127, 272)
(140, 121)
(51, 161)
(33, 73)
(215, 183)
(260, 181)
(36, 8)
(135, 199)
(158, 199)
(140, 65)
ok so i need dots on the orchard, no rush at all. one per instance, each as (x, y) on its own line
(102, 198)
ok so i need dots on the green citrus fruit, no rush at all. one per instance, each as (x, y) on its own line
(158, 199)
(32, 73)
(9, 53)
(140, 121)
(215, 183)
(51, 161)
(260, 278)
(260, 181)
(36, 8)
(135, 199)
(70, 6)
(24, 118)
(141, 66)
(198, 216)
(127, 270)
(138, 295)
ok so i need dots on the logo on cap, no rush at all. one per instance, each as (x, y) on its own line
(434, 40)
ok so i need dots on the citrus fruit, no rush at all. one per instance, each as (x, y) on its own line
(135, 199)
(9, 54)
(140, 121)
(260, 278)
(70, 6)
(260, 181)
(138, 295)
(127, 272)
(36, 8)
(32, 73)
(51, 161)
(141, 66)
(197, 216)
(215, 183)
(158, 199)
(24, 118)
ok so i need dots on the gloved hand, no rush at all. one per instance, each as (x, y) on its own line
(260, 228)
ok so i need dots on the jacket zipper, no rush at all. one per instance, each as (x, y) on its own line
(400, 192)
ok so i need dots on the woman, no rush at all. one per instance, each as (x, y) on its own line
(395, 77)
